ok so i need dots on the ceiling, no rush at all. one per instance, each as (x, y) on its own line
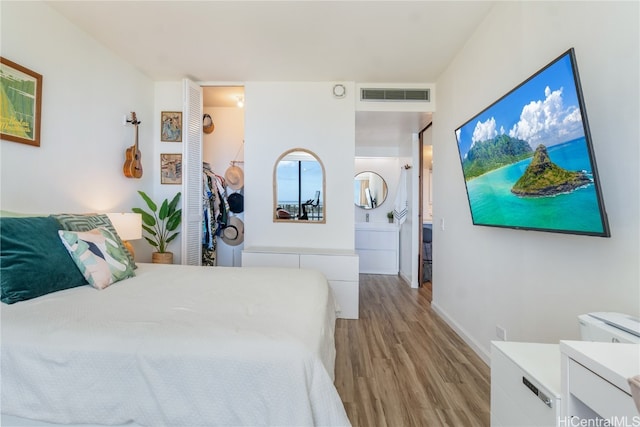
(304, 40)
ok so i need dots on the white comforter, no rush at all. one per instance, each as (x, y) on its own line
(176, 345)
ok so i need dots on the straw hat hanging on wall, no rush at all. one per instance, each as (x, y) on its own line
(234, 177)
(207, 124)
(233, 233)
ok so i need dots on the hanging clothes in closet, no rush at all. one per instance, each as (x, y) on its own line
(213, 205)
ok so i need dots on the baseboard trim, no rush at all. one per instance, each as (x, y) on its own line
(405, 278)
(481, 352)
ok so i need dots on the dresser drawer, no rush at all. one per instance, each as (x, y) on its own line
(600, 395)
(340, 267)
(259, 259)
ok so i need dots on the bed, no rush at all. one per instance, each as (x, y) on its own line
(177, 346)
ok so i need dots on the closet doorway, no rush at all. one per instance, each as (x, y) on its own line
(223, 156)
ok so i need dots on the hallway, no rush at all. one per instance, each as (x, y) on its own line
(401, 365)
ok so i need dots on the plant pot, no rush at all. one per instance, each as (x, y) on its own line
(162, 257)
(390, 220)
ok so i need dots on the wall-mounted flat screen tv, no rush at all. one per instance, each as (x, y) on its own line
(528, 160)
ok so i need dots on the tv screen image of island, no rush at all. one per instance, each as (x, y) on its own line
(528, 161)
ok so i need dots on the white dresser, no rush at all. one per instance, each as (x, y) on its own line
(340, 267)
(377, 246)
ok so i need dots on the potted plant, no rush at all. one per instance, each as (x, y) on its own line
(390, 217)
(160, 225)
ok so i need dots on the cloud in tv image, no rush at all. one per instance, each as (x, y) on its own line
(527, 158)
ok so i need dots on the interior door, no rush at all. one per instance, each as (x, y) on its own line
(420, 208)
(192, 174)
(421, 203)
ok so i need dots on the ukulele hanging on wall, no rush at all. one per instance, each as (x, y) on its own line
(133, 164)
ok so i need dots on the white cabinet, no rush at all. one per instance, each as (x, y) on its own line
(525, 384)
(574, 383)
(594, 379)
(340, 267)
(377, 246)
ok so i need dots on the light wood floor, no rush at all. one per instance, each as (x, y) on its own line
(401, 365)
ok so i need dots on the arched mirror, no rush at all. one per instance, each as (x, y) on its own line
(298, 188)
(369, 190)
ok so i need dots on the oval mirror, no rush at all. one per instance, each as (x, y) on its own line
(369, 190)
(298, 187)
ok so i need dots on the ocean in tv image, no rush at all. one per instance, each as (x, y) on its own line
(493, 203)
(527, 161)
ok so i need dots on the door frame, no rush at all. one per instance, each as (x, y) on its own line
(421, 201)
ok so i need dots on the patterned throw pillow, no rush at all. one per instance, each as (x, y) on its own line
(79, 222)
(97, 255)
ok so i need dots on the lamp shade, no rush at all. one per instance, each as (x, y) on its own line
(128, 225)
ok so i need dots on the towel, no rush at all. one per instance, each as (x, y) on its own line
(634, 383)
(401, 207)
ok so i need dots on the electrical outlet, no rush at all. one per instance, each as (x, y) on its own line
(442, 224)
(124, 120)
(501, 333)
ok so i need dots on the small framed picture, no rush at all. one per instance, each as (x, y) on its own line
(171, 169)
(21, 103)
(171, 126)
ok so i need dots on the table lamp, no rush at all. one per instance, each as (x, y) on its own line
(128, 226)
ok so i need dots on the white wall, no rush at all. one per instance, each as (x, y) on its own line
(286, 115)
(86, 92)
(534, 284)
(225, 143)
(167, 97)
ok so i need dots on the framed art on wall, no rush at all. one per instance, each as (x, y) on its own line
(171, 126)
(171, 169)
(21, 103)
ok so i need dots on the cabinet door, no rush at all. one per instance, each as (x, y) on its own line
(376, 239)
(378, 262)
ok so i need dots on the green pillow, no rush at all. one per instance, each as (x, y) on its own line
(97, 255)
(80, 222)
(33, 260)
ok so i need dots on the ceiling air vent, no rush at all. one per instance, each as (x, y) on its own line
(420, 95)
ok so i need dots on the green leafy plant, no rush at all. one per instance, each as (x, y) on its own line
(161, 225)
(390, 215)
